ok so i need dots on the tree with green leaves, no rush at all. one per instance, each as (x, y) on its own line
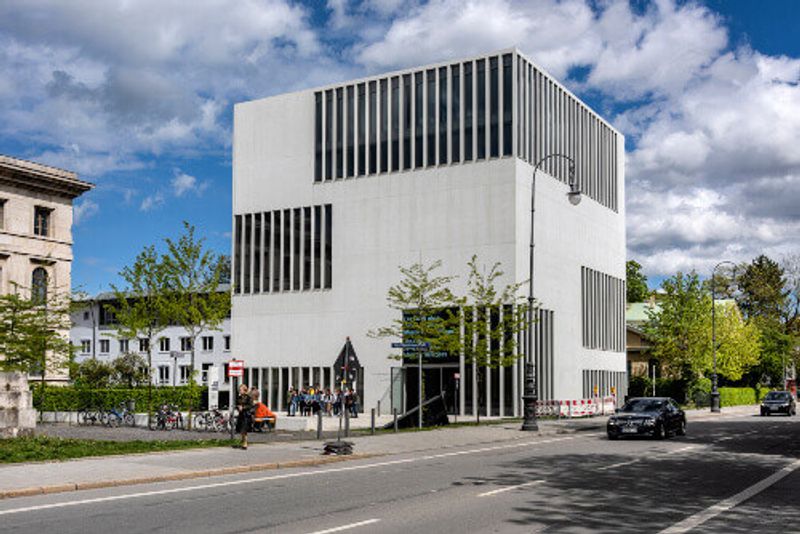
(143, 306)
(492, 318)
(761, 289)
(129, 370)
(420, 298)
(636, 282)
(680, 331)
(92, 374)
(34, 327)
(194, 276)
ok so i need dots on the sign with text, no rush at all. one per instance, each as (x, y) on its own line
(236, 368)
(213, 387)
(411, 346)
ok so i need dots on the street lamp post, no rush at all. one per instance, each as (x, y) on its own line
(715, 406)
(530, 396)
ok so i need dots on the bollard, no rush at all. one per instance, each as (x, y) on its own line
(394, 412)
(379, 408)
(319, 424)
(347, 423)
(372, 423)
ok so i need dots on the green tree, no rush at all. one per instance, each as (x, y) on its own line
(636, 282)
(142, 306)
(738, 342)
(679, 329)
(129, 370)
(92, 374)
(761, 290)
(422, 300)
(194, 275)
(492, 317)
(33, 332)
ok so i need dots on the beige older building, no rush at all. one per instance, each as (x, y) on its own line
(36, 228)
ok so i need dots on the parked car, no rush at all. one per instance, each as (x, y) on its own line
(778, 402)
(654, 416)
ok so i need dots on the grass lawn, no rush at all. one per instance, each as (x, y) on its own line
(42, 448)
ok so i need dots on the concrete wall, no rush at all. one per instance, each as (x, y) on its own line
(17, 416)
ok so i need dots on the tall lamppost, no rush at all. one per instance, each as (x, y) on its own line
(530, 396)
(714, 391)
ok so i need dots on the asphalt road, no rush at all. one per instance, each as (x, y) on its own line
(731, 475)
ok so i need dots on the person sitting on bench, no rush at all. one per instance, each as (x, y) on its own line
(263, 418)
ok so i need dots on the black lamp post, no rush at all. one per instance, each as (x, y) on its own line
(715, 407)
(530, 395)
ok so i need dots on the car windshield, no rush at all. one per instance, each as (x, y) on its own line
(777, 395)
(642, 405)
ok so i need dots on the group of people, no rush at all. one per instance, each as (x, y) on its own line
(314, 399)
(253, 414)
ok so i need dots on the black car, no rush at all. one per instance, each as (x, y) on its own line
(778, 402)
(649, 416)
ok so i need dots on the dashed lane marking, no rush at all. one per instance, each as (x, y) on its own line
(347, 527)
(510, 488)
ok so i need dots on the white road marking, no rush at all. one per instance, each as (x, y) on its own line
(285, 476)
(711, 512)
(630, 462)
(509, 488)
(347, 527)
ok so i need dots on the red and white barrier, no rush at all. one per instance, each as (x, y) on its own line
(576, 407)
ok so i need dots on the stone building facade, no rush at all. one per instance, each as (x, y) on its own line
(36, 229)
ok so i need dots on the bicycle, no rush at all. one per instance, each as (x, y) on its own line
(167, 418)
(117, 416)
(89, 416)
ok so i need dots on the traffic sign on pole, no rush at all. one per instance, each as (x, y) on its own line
(235, 368)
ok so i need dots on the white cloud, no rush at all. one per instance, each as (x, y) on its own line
(83, 210)
(152, 202)
(183, 183)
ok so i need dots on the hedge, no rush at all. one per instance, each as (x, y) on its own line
(740, 396)
(71, 398)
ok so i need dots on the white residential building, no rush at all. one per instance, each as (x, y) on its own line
(335, 187)
(94, 334)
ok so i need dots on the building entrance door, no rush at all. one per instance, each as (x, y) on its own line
(436, 380)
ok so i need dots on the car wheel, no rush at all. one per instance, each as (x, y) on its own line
(612, 436)
(681, 431)
(658, 433)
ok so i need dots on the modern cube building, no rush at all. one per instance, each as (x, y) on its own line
(335, 187)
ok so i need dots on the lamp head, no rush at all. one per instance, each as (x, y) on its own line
(574, 194)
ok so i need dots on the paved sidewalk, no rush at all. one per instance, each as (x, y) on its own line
(51, 477)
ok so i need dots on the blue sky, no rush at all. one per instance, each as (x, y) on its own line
(137, 97)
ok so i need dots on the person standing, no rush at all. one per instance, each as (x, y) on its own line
(244, 403)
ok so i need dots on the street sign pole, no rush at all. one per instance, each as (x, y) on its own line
(232, 403)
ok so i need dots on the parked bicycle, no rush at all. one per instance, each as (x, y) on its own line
(213, 421)
(119, 416)
(168, 417)
(91, 416)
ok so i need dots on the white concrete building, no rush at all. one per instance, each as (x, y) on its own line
(335, 187)
(94, 334)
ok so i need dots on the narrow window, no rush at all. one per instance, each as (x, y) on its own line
(494, 103)
(384, 128)
(328, 246)
(248, 250)
(287, 250)
(395, 123)
(163, 344)
(431, 117)
(41, 221)
(307, 248)
(455, 114)
(317, 247)
(317, 137)
(328, 135)
(407, 121)
(442, 115)
(39, 286)
(468, 115)
(257, 254)
(481, 109)
(373, 132)
(267, 250)
(226, 344)
(237, 254)
(276, 251)
(418, 108)
(296, 249)
(339, 132)
(124, 346)
(507, 102)
(350, 132)
(362, 128)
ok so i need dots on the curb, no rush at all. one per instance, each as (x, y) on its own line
(185, 475)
